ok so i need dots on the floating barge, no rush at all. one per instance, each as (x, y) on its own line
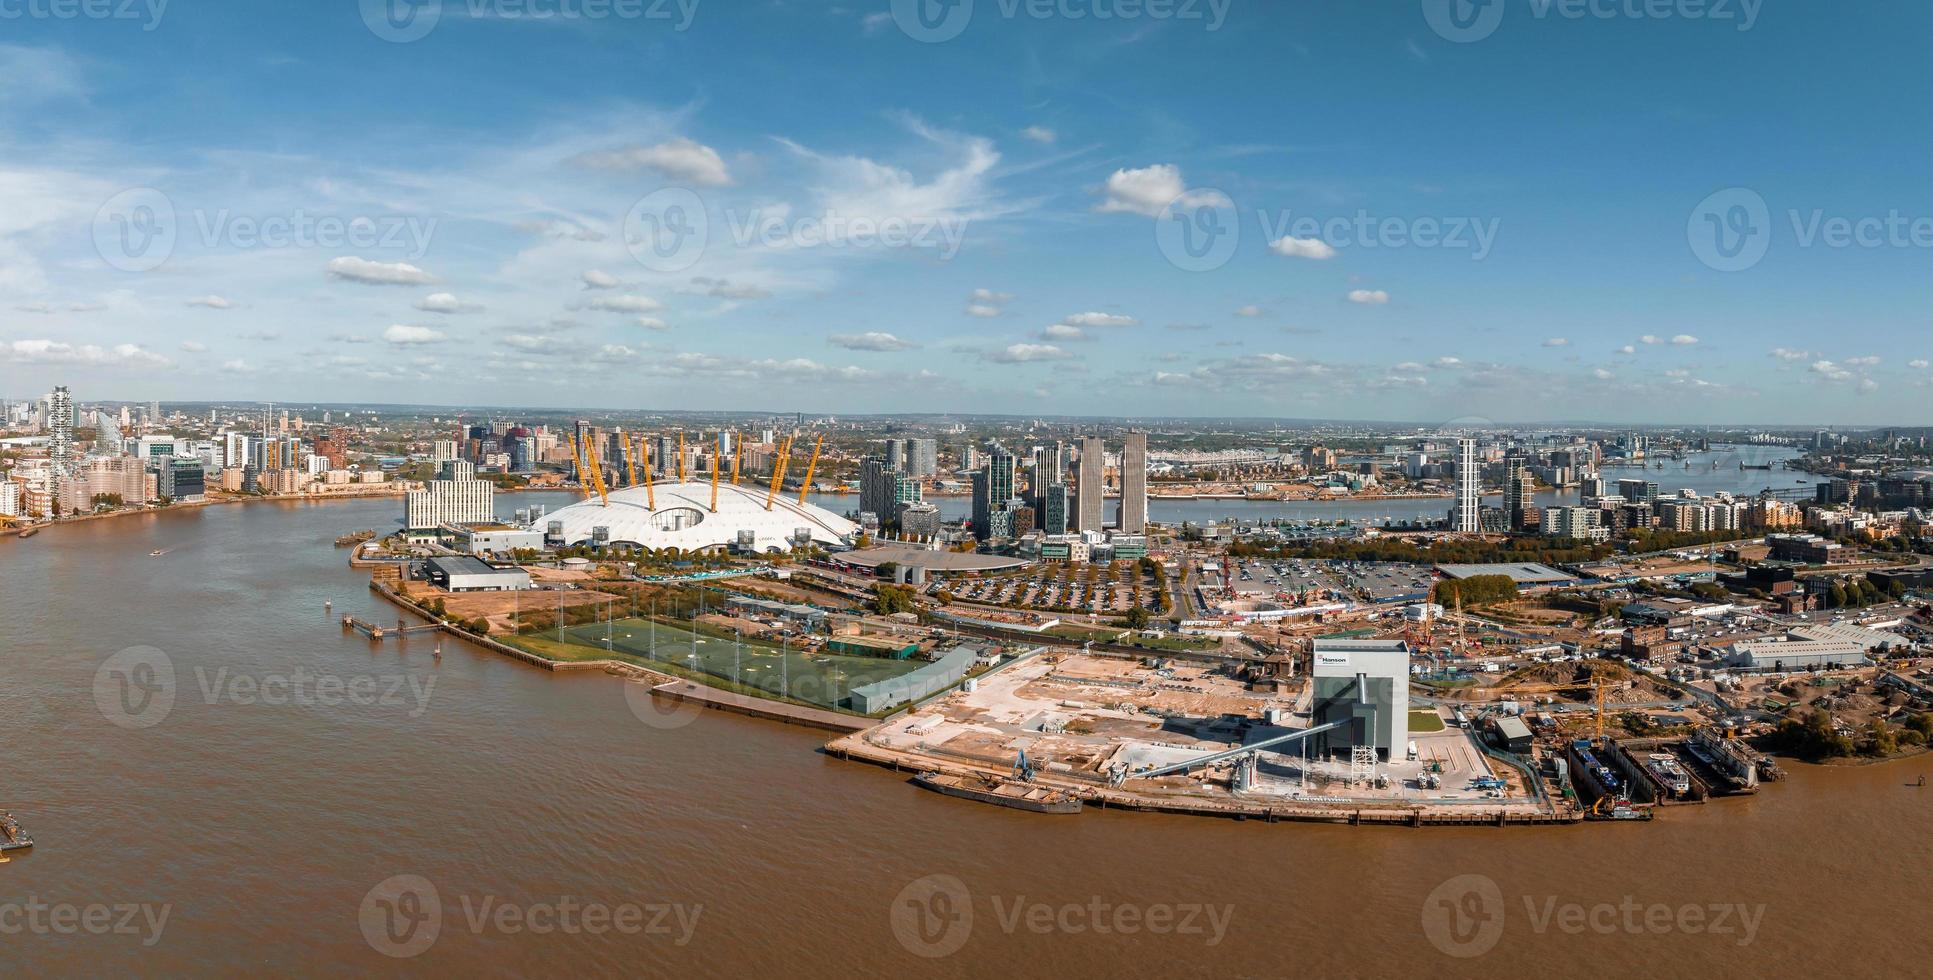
(1018, 795)
(12, 838)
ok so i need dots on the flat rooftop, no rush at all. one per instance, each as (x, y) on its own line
(1523, 573)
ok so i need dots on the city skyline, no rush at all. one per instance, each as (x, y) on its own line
(923, 248)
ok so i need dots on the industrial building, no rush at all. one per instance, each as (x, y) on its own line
(1525, 574)
(462, 573)
(952, 665)
(1364, 683)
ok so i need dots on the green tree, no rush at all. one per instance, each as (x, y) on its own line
(1138, 617)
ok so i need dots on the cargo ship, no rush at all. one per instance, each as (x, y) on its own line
(1001, 792)
(12, 838)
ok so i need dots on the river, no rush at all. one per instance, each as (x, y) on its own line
(260, 822)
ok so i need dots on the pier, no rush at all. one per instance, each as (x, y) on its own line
(379, 633)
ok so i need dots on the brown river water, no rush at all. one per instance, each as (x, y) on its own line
(549, 825)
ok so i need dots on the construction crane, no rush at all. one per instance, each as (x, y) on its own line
(806, 486)
(778, 471)
(681, 455)
(650, 495)
(577, 453)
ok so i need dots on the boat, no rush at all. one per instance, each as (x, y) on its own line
(1669, 773)
(156, 553)
(12, 838)
(1001, 792)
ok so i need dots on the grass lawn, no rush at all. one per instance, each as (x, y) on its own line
(1425, 720)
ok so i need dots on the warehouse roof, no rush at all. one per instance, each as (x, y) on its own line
(1523, 573)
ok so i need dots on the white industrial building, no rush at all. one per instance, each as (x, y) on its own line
(1365, 682)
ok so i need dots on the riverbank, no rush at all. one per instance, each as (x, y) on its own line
(188, 505)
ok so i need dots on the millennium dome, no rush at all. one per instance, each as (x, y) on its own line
(683, 518)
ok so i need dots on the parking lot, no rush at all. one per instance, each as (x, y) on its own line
(1102, 589)
(1312, 581)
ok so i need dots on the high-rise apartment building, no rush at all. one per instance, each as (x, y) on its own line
(1134, 484)
(455, 497)
(1464, 517)
(60, 427)
(1091, 487)
(923, 458)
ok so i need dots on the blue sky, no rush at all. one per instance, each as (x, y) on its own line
(274, 201)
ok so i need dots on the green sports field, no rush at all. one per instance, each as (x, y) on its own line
(819, 679)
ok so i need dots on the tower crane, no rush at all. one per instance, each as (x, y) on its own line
(806, 486)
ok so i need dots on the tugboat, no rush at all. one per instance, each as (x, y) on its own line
(156, 553)
(12, 838)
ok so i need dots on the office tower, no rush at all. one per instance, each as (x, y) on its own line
(1004, 467)
(1463, 517)
(993, 487)
(60, 426)
(1134, 484)
(923, 457)
(1051, 508)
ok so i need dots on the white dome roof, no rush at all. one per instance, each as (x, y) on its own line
(683, 518)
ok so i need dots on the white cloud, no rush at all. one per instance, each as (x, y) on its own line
(211, 301)
(872, 341)
(653, 323)
(1651, 339)
(1917, 364)
(1601, 374)
(1024, 353)
(407, 335)
(352, 269)
(1303, 248)
(989, 296)
(1249, 311)
(1064, 331)
(1449, 362)
(599, 279)
(1627, 349)
(1788, 354)
(193, 347)
(1684, 340)
(1867, 361)
(1100, 320)
(1557, 342)
(626, 303)
(42, 351)
(724, 289)
(680, 160)
(1369, 297)
(237, 366)
(445, 303)
(1149, 190)
(1831, 371)
(1039, 134)
(983, 310)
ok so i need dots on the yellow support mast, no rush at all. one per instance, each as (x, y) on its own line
(778, 471)
(577, 453)
(630, 464)
(806, 486)
(650, 495)
(597, 476)
(681, 455)
(738, 455)
(715, 448)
